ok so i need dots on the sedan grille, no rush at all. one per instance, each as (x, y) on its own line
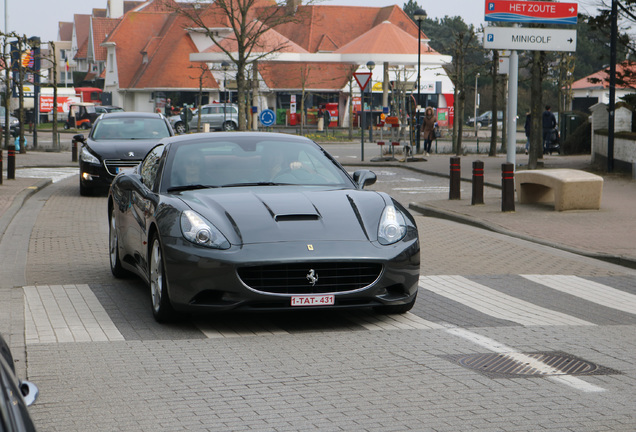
(310, 278)
(113, 166)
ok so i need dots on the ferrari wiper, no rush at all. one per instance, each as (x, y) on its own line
(190, 187)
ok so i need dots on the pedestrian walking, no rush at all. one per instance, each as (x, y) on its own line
(549, 123)
(428, 129)
(168, 107)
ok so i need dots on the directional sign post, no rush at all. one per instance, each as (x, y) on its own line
(362, 78)
(536, 12)
(531, 39)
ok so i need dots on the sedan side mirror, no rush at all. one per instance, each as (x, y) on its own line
(79, 138)
(364, 178)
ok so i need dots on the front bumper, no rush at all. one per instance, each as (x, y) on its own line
(206, 280)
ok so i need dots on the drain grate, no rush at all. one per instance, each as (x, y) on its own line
(530, 364)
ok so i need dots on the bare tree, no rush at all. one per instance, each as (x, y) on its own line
(494, 73)
(248, 20)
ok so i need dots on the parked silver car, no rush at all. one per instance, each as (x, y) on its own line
(219, 116)
(14, 123)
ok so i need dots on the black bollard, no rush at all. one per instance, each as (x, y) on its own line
(455, 179)
(478, 183)
(11, 162)
(507, 187)
(74, 151)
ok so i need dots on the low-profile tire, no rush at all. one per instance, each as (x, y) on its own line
(229, 126)
(396, 309)
(162, 309)
(113, 250)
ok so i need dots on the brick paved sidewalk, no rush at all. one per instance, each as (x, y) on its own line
(609, 233)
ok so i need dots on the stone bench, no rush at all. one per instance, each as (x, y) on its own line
(568, 189)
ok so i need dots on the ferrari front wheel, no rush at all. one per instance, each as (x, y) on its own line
(161, 308)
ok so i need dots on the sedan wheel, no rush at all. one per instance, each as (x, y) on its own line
(113, 246)
(179, 128)
(161, 307)
(229, 126)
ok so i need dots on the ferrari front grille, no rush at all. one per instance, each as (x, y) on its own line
(310, 278)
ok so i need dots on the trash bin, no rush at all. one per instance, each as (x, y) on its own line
(17, 143)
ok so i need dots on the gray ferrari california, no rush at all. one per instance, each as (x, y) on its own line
(259, 221)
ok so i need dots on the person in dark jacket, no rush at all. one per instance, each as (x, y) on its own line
(549, 123)
(428, 129)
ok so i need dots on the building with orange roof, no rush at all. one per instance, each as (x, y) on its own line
(594, 88)
(150, 52)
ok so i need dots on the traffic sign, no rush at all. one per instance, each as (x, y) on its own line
(531, 39)
(268, 117)
(362, 78)
(522, 11)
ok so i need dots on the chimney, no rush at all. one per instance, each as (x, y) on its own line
(115, 8)
(292, 5)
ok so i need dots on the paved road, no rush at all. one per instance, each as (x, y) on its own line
(103, 363)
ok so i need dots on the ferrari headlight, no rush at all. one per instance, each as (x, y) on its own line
(88, 157)
(201, 232)
(392, 226)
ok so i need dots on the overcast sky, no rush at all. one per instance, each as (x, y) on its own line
(41, 17)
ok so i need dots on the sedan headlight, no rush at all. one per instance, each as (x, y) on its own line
(88, 157)
(201, 232)
(14, 122)
(392, 226)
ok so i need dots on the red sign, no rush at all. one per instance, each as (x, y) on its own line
(362, 78)
(46, 103)
(531, 11)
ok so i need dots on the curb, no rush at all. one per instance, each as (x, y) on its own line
(17, 203)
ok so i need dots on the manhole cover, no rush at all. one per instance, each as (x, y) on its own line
(530, 364)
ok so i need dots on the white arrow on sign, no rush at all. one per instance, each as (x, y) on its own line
(529, 39)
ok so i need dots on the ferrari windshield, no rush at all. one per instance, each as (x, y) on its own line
(249, 161)
(130, 128)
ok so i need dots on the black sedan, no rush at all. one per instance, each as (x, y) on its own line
(15, 395)
(118, 141)
(259, 221)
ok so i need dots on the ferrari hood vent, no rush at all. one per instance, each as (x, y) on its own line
(296, 217)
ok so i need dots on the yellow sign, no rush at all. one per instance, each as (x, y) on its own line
(377, 87)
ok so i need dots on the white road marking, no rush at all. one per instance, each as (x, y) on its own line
(494, 303)
(66, 313)
(541, 367)
(407, 321)
(218, 331)
(588, 290)
(55, 174)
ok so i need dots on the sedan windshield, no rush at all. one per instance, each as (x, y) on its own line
(130, 128)
(246, 161)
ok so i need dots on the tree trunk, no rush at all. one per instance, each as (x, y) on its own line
(536, 131)
(495, 109)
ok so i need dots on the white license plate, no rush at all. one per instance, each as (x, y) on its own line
(124, 169)
(321, 300)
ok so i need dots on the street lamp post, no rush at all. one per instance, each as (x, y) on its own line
(224, 65)
(419, 15)
(371, 66)
(476, 103)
